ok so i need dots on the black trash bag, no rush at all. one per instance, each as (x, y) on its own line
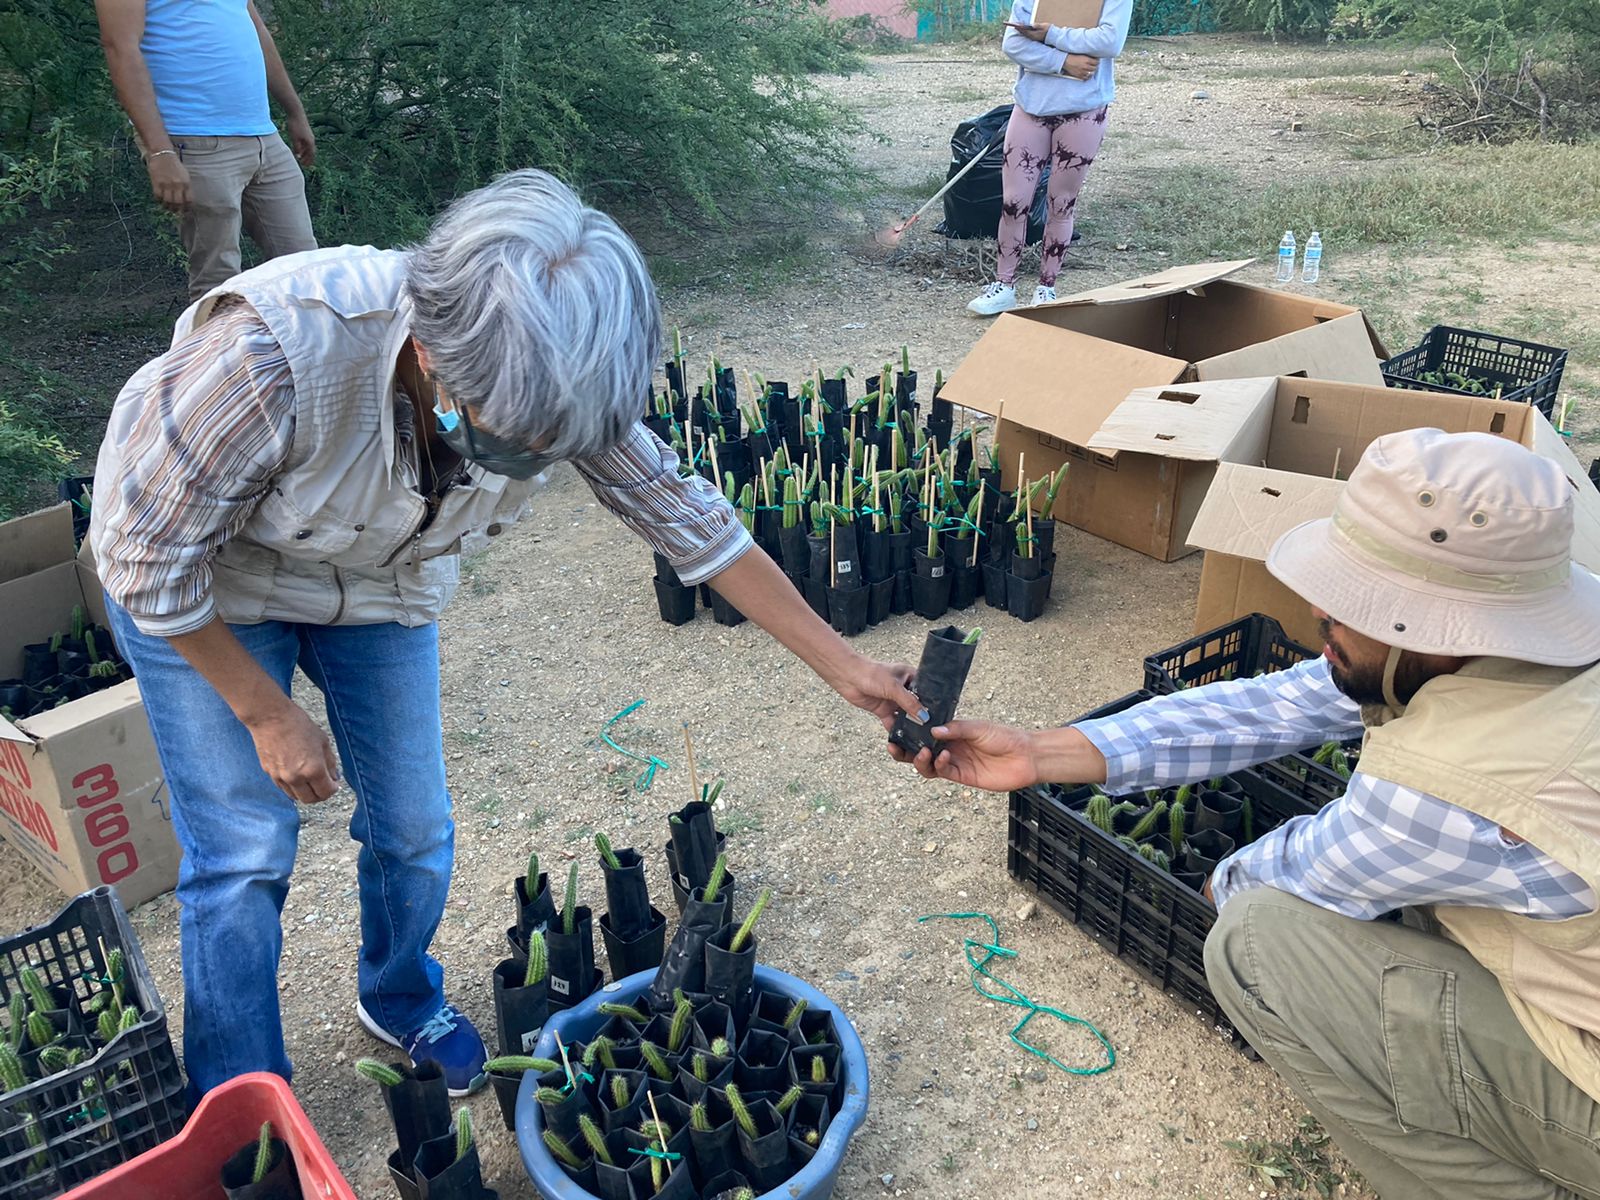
(281, 1182)
(972, 207)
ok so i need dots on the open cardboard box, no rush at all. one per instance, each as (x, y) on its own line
(1061, 369)
(81, 790)
(1309, 426)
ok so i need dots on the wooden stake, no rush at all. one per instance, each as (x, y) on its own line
(688, 749)
(572, 1080)
(833, 550)
(979, 524)
(659, 1135)
(1030, 530)
(715, 465)
(1337, 450)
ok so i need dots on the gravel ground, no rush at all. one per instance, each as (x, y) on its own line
(556, 630)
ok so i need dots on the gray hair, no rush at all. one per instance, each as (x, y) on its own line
(539, 312)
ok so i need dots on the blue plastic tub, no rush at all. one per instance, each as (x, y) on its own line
(814, 1182)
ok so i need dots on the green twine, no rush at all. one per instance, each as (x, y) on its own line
(653, 764)
(993, 950)
(652, 1152)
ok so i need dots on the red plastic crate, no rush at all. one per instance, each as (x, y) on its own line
(187, 1167)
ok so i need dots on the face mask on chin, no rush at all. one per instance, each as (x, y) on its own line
(494, 454)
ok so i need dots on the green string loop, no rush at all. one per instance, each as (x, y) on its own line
(653, 764)
(652, 1152)
(980, 969)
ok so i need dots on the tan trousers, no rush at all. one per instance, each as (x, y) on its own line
(248, 182)
(1403, 1046)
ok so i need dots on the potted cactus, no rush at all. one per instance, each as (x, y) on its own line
(731, 961)
(683, 969)
(261, 1170)
(847, 593)
(1026, 582)
(505, 1074)
(522, 997)
(448, 1167)
(570, 943)
(941, 674)
(930, 584)
(763, 1140)
(634, 931)
(419, 1110)
(535, 909)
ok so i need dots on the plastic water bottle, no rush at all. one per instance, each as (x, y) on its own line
(1286, 257)
(1312, 269)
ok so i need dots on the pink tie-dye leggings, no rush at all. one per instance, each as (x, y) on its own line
(1068, 143)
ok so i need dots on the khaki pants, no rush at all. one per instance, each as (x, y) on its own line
(1403, 1046)
(253, 182)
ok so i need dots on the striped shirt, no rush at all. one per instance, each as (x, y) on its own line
(1380, 847)
(211, 424)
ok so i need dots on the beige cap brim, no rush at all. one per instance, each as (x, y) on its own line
(1558, 626)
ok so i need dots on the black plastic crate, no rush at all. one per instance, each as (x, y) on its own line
(1251, 645)
(1525, 372)
(1141, 913)
(61, 1131)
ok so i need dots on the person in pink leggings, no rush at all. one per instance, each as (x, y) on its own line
(1064, 88)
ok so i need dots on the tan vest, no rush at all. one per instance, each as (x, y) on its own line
(1518, 744)
(338, 537)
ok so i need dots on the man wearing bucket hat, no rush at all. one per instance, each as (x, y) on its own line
(1454, 1053)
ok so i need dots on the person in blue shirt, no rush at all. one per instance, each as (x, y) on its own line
(194, 78)
(1064, 87)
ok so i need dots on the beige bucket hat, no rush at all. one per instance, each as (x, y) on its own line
(1451, 543)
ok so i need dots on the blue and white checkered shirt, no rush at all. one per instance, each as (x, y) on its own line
(1380, 847)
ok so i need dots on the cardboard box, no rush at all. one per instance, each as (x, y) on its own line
(81, 789)
(1311, 424)
(1061, 369)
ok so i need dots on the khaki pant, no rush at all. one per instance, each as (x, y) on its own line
(253, 182)
(1403, 1046)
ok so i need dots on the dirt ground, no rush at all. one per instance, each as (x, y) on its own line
(555, 630)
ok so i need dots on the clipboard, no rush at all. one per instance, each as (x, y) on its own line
(1068, 14)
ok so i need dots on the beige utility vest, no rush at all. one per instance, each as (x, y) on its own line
(1516, 743)
(339, 537)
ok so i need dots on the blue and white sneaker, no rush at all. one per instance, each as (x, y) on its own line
(448, 1038)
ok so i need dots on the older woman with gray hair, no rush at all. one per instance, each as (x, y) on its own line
(292, 484)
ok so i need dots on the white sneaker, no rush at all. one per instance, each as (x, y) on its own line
(993, 300)
(1044, 295)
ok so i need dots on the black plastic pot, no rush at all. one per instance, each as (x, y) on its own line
(536, 912)
(419, 1107)
(573, 976)
(880, 601)
(719, 1074)
(695, 844)
(614, 1117)
(716, 1151)
(281, 1182)
(994, 584)
(763, 1062)
(17, 697)
(816, 593)
(506, 1085)
(724, 613)
(441, 1175)
(966, 581)
(562, 1119)
(1123, 823)
(941, 674)
(1206, 848)
(899, 547)
(930, 586)
(642, 952)
(39, 663)
(847, 609)
(676, 604)
(1026, 567)
(765, 1156)
(730, 974)
(628, 895)
(1221, 811)
(796, 553)
(1025, 597)
(519, 1011)
(829, 1056)
(874, 553)
(903, 599)
(684, 965)
(725, 1186)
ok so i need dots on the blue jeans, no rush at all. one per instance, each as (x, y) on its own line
(238, 831)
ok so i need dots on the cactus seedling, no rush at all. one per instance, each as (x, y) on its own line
(720, 1047)
(106, 1027)
(678, 1031)
(11, 1068)
(719, 872)
(463, 1132)
(38, 994)
(813, 1138)
(515, 1064)
(741, 1112)
(538, 960)
(972, 638)
(130, 1019)
(264, 1152)
(603, 844)
(789, 1099)
(17, 1013)
(379, 1073)
(700, 1118)
(819, 1070)
(701, 1067)
(1147, 824)
(600, 1050)
(550, 1097)
(626, 1011)
(619, 1092)
(796, 1011)
(748, 928)
(560, 1151)
(595, 1140)
(655, 1060)
(1098, 811)
(569, 915)
(54, 1059)
(40, 1031)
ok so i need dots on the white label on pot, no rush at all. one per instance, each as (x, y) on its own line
(936, 573)
(559, 985)
(683, 882)
(531, 1039)
(844, 568)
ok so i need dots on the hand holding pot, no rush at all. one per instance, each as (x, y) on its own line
(882, 689)
(980, 754)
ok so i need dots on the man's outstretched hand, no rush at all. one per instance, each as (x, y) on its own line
(980, 754)
(882, 689)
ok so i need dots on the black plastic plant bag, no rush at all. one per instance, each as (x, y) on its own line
(684, 966)
(763, 1062)
(537, 912)
(419, 1107)
(765, 1156)
(562, 1119)
(725, 1186)
(941, 674)
(642, 953)
(716, 1151)
(612, 1116)
(519, 1011)
(694, 841)
(730, 974)
(442, 1175)
(281, 1182)
(573, 976)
